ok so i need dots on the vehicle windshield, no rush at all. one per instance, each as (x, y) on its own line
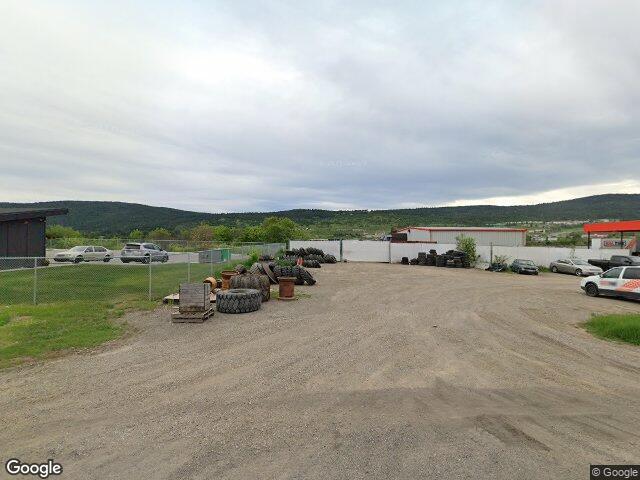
(78, 249)
(526, 262)
(635, 260)
(132, 246)
(580, 262)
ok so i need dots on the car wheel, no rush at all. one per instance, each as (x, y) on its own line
(146, 259)
(554, 269)
(591, 289)
(165, 259)
(578, 272)
(106, 259)
(78, 260)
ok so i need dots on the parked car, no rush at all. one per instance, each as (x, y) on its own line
(143, 253)
(616, 261)
(524, 266)
(574, 266)
(84, 254)
(617, 282)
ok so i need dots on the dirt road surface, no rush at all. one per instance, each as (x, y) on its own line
(385, 371)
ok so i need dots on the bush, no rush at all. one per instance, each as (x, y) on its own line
(159, 234)
(59, 231)
(467, 245)
(254, 255)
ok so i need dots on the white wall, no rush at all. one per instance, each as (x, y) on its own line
(332, 247)
(545, 255)
(376, 251)
(365, 251)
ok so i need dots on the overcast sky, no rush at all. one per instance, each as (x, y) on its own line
(255, 106)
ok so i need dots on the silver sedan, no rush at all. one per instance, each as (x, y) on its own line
(83, 254)
(574, 266)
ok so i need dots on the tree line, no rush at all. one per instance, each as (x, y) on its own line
(271, 230)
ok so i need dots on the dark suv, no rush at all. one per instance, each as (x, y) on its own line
(143, 253)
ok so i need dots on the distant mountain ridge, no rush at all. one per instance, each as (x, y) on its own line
(120, 218)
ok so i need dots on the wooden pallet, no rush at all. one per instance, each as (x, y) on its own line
(191, 317)
(174, 298)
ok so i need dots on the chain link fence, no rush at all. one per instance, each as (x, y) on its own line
(43, 280)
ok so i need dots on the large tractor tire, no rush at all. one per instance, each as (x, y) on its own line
(238, 300)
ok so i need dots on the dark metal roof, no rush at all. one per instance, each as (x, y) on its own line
(10, 214)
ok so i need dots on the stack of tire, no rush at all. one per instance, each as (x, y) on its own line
(311, 263)
(301, 274)
(451, 259)
(329, 258)
(264, 268)
(253, 281)
(405, 261)
(309, 253)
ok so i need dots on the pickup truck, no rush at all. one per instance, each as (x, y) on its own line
(616, 261)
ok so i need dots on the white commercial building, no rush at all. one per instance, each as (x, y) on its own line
(484, 236)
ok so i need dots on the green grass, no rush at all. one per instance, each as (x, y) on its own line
(40, 331)
(111, 282)
(616, 327)
(77, 304)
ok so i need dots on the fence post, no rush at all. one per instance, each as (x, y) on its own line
(188, 267)
(35, 280)
(150, 263)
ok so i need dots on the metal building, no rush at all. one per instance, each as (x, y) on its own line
(484, 236)
(22, 232)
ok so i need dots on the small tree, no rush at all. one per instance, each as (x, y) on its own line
(59, 231)
(467, 245)
(159, 234)
(202, 233)
(136, 234)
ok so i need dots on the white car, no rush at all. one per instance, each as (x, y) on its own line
(84, 254)
(617, 282)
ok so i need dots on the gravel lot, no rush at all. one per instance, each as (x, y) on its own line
(385, 371)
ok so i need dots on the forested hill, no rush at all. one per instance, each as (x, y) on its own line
(118, 218)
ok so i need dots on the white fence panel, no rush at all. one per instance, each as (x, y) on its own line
(365, 251)
(545, 255)
(332, 247)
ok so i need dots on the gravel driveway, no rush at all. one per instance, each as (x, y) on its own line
(385, 371)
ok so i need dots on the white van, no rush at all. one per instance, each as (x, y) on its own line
(617, 282)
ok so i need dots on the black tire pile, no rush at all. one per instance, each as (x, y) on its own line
(450, 259)
(301, 274)
(311, 263)
(310, 253)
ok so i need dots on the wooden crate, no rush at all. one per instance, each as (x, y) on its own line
(195, 303)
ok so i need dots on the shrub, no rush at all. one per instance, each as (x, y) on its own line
(467, 245)
(59, 231)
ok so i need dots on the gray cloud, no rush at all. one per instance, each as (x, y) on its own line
(234, 106)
